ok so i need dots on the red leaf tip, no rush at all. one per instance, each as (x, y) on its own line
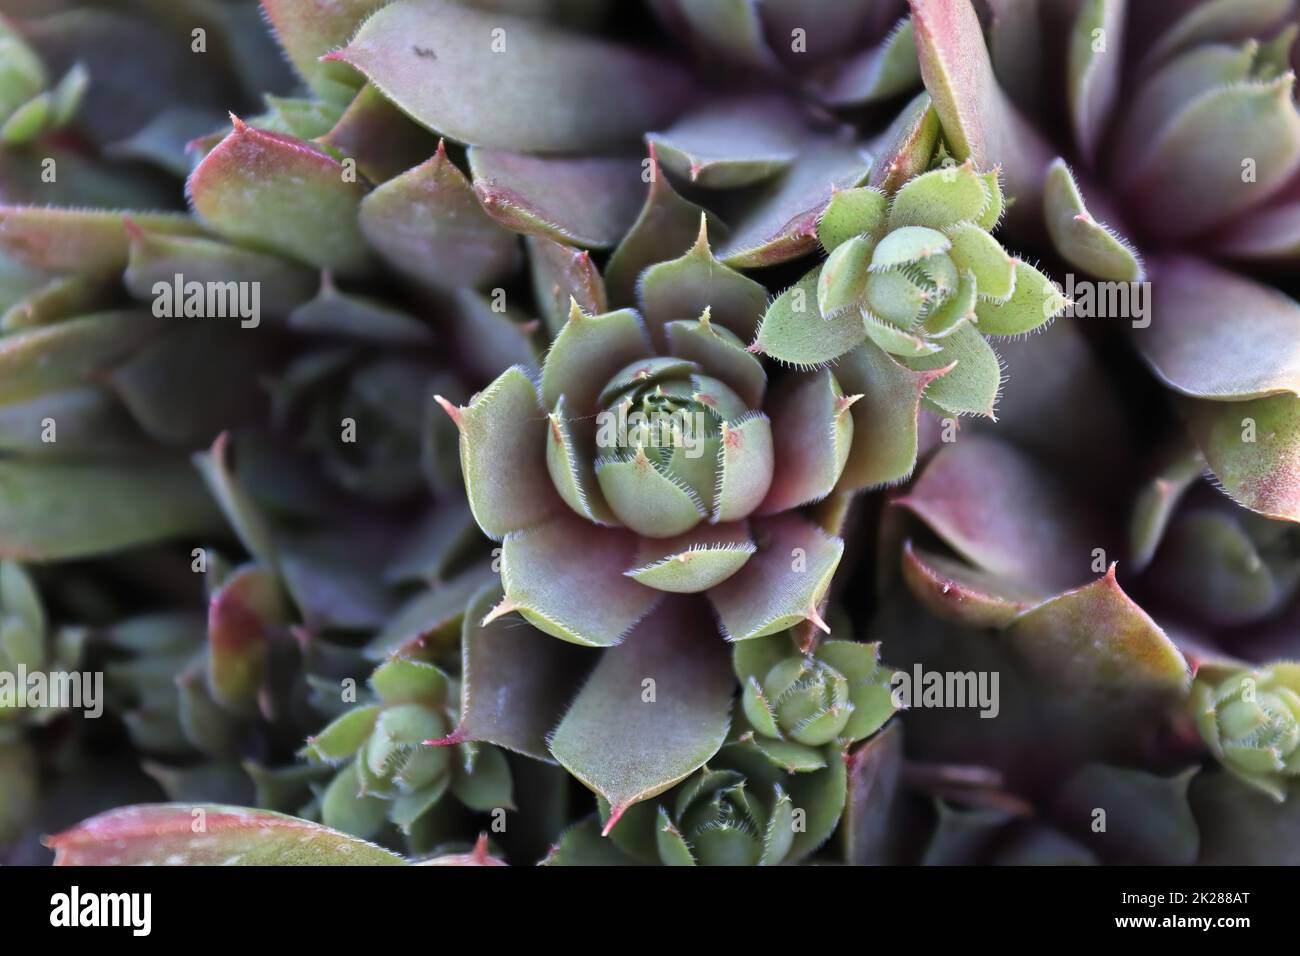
(615, 814)
(453, 411)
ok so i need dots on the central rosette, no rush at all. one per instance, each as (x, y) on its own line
(669, 468)
(660, 434)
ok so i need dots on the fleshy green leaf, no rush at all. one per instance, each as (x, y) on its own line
(877, 73)
(653, 711)
(694, 561)
(230, 492)
(645, 498)
(979, 122)
(343, 314)
(1218, 20)
(243, 618)
(663, 231)
(783, 583)
(344, 805)
(1193, 350)
(859, 211)
(957, 592)
(502, 446)
(975, 250)
(1156, 503)
(561, 275)
(885, 440)
(1242, 826)
(974, 376)
(1035, 300)
(165, 834)
(308, 29)
(68, 353)
(283, 195)
(795, 332)
(807, 471)
(430, 618)
(428, 225)
(343, 737)
(515, 682)
(1148, 818)
(582, 845)
(1263, 473)
(842, 282)
(904, 149)
(722, 353)
(158, 258)
(587, 353)
(731, 29)
(382, 140)
(870, 824)
(684, 287)
(501, 81)
(566, 578)
(54, 512)
(1080, 239)
(745, 467)
(488, 787)
(940, 198)
(1098, 646)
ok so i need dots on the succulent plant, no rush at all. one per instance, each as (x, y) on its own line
(389, 770)
(918, 277)
(1251, 721)
(467, 432)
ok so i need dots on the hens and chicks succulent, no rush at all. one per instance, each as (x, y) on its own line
(553, 430)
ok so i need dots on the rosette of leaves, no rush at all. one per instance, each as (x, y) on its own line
(1184, 150)
(1250, 720)
(392, 769)
(798, 701)
(697, 494)
(645, 474)
(916, 282)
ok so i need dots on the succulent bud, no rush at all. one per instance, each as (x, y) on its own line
(838, 691)
(660, 429)
(802, 698)
(398, 760)
(1251, 721)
